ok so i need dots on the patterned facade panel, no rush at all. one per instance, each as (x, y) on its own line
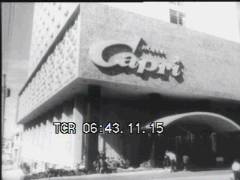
(59, 69)
(49, 19)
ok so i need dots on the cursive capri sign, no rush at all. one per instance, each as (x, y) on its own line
(141, 59)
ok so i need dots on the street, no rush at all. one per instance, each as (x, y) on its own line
(162, 175)
(155, 174)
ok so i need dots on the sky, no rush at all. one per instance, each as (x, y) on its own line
(215, 18)
(16, 37)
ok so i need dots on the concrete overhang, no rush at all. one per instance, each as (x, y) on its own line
(211, 65)
(217, 122)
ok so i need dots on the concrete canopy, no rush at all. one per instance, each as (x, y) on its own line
(217, 122)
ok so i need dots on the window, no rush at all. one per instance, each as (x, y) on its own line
(177, 3)
(176, 17)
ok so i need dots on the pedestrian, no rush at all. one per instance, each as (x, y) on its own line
(173, 160)
(185, 162)
(166, 161)
(103, 163)
(96, 165)
(236, 169)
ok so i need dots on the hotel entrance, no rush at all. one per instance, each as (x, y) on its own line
(200, 146)
(208, 143)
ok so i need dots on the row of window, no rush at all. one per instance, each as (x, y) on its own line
(176, 17)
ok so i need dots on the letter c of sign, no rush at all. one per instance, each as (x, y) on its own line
(100, 53)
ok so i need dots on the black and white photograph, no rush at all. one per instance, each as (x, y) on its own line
(120, 90)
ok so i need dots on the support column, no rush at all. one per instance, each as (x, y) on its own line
(93, 115)
(213, 137)
(153, 152)
(155, 107)
(78, 137)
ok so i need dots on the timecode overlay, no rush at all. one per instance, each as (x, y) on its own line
(110, 128)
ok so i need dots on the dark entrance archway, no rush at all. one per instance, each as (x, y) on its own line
(209, 139)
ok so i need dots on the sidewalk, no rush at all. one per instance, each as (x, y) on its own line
(127, 174)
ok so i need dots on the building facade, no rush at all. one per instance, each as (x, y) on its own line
(113, 73)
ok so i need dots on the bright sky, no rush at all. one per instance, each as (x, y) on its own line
(16, 33)
(215, 18)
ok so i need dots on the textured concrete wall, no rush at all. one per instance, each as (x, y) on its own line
(124, 146)
(211, 65)
(42, 144)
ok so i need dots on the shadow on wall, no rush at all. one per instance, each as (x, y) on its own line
(126, 146)
(134, 148)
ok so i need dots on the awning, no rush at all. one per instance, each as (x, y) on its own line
(217, 122)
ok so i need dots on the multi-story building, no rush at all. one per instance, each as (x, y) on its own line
(7, 146)
(113, 72)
